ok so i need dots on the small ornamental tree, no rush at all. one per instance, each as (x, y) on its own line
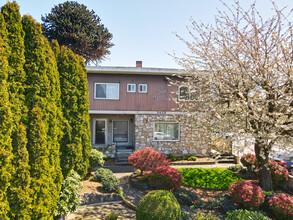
(167, 178)
(147, 159)
(240, 69)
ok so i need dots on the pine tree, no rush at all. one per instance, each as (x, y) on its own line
(5, 123)
(19, 191)
(44, 120)
(75, 145)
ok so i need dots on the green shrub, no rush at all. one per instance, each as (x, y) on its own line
(236, 168)
(102, 172)
(186, 197)
(223, 203)
(96, 158)
(111, 216)
(188, 157)
(215, 178)
(158, 204)
(69, 199)
(109, 181)
(240, 214)
(203, 216)
(186, 216)
(192, 158)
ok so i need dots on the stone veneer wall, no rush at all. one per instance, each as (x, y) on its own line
(192, 141)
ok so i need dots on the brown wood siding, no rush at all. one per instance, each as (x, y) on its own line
(157, 98)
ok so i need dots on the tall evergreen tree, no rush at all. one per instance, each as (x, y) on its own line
(44, 120)
(75, 145)
(5, 123)
(19, 191)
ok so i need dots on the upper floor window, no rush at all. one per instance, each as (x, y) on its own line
(106, 90)
(142, 88)
(187, 94)
(131, 88)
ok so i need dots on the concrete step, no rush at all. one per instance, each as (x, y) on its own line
(122, 161)
(226, 161)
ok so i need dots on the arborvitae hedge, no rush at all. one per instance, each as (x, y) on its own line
(5, 123)
(19, 191)
(45, 117)
(75, 144)
(31, 118)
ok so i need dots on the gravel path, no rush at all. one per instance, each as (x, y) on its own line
(92, 212)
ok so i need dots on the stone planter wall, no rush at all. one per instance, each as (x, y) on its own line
(192, 140)
(91, 198)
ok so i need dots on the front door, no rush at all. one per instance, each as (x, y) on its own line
(100, 131)
(120, 131)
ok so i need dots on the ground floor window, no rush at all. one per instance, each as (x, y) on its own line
(166, 131)
(120, 131)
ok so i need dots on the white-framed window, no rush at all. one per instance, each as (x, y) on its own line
(187, 94)
(107, 91)
(142, 88)
(166, 131)
(131, 87)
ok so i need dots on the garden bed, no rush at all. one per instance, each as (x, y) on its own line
(199, 161)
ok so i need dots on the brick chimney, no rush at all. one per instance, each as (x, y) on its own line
(138, 63)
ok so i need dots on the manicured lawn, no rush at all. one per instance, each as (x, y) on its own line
(215, 178)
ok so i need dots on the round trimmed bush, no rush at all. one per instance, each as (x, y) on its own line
(282, 206)
(279, 173)
(249, 160)
(241, 214)
(246, 195)
(167, 178)
(158, 204)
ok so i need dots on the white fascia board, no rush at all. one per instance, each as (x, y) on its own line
(134, 112)
(133, 70)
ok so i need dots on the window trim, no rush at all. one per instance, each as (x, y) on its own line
(132, 84)
(146, 86)
(121, 143)
(95, 88)
(168, 122)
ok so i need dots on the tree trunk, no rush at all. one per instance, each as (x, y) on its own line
(262, 155)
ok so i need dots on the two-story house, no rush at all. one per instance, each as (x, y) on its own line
(133, 108)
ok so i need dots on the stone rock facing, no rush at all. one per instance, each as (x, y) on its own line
(192, 140)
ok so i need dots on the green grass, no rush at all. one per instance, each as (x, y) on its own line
(215, 178)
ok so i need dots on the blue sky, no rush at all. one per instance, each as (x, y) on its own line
(144, 29)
